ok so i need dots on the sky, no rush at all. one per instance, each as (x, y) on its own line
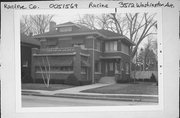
(65, 18)
(62, 18)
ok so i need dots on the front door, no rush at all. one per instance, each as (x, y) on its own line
(110, 68)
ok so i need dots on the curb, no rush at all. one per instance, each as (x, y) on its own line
(98, 97)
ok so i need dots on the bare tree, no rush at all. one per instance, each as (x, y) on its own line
(37, 24)
(88, 20)
(45, 71)
(104, 22)
(148, 53)
(136, 26)
(138, 31)
(25, 25)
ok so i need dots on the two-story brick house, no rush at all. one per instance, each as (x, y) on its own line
(88, 54)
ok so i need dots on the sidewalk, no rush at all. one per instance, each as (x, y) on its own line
(75, 92)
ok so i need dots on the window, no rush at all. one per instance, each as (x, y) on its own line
(65, 29)
(98, 45)
(51, 43)
(127, 68)
(79, 45)
(111, 46)
(43, 43)
(84, 70)
(64, 42)
(66, 68)
(54, 68)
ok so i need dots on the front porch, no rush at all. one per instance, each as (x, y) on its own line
(115, 68)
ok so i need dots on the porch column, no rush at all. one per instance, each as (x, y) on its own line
(77, 63)
(118, 69)
(92, 39)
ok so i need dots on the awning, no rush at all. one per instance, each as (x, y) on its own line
(62, 63)
(110, 57)
(65, 62)
(54, 54)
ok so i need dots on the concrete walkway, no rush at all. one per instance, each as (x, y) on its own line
(78, 89)
(74, 90)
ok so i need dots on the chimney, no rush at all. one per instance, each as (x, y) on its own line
(52, 26)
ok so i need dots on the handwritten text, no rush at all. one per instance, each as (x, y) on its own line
(63, 6)
(144, 4)
(99, 5)
(18, 6)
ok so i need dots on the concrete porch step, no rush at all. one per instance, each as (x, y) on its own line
(107, 80)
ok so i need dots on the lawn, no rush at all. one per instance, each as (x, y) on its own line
(34, 86)
(138, 88)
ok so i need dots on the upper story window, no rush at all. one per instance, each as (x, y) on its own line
(43, 43)
(111, 46)
(98, 45)
(79, 45)
(65, 29)
(52, 42)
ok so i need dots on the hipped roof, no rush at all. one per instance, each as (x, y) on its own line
(82, 30)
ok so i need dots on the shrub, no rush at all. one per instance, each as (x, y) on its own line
(153, 78)
(72, 80)
(39, 81)
(57, 81)
(85, 82)
(122, 81)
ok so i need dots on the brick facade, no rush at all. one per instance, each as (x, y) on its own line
(82, 52)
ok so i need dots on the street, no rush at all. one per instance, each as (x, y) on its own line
(39, 101)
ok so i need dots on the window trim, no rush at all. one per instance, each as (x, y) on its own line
(65, 29)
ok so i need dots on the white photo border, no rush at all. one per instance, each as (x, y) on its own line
(19, 108)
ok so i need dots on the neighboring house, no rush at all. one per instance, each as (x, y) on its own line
(148, 62)
(88, 54)
(27, 43)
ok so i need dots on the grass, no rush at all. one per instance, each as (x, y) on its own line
(52, 87)
(130, 88)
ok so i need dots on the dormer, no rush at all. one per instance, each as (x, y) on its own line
(67, 27)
